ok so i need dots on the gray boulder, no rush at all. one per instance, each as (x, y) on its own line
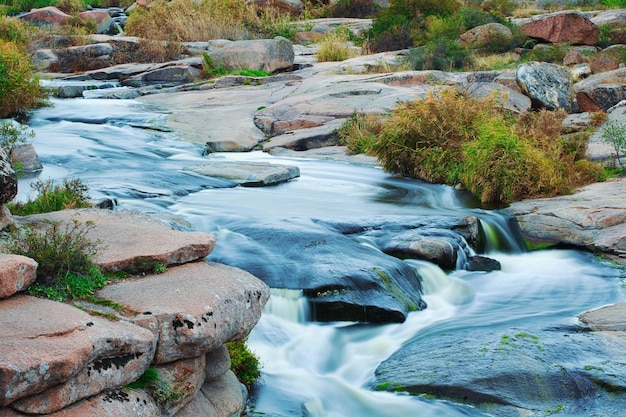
(601, 91)
(168, 75)
(8, 178)
(547, 85)
(27, 157)
(506, 97)
(103, 20)
(268, 55)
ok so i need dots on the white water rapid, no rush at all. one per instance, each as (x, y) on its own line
(317, 369)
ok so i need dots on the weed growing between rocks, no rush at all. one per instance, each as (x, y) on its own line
(615, 135)
(161, 389)
(360, 130)
(243, 362)
(64, 256)
(72, 194)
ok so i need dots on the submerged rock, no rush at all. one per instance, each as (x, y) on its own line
(248, 174)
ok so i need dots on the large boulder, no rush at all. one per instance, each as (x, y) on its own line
(54, 354)
(16, 274)
(268, 55)
(46, 17)
(103, 20)
(513, 371)
(601, 91)
(594, 218)
(131, 241)
(506, 97)
(562, 27)
(8, 178)
(193, 308)
(485, 35)
(547, 85)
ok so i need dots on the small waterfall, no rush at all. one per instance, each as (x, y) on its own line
(290, 305)
(501, 234)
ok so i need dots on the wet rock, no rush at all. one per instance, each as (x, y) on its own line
(341, 278)
(553, 370)
(16, 274)
(54, 354)
(482, 263)
(547, 85)
(594, 218)
(485, 35)
(132, 241)
(26, 156)
(46, 17)
(198, 307)
(248, 174)
(601, 91)
(268, 55)
(8, 178)
(562, 27)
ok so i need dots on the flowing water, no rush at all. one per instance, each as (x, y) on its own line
(121, 150)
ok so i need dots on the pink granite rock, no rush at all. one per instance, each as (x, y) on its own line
(16, 274)
(562, 27)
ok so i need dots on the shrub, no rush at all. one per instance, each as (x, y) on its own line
(14, 30)
(333, 47)
(63, 253)
(72, 194)
(13, 135)
(360, 131)
(440, 54)
(243, 362)
(615, 135)
(360, 9)
(551, 53)
(19, 88)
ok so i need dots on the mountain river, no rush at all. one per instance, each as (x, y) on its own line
(122, 151)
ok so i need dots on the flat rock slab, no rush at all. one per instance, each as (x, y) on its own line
(131, 241)
(47, 345)
(248, 174)
(594, 218)
(198, 307)
(610, 318)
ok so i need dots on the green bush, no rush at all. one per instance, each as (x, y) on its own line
(14, 30)
(64, 256)
(13, 135)
(19, 88)
(615, 135)
(361, 9)
(243, 362)
(333, 47)
(360, 131)
(440, 54)
(71, 194)
(160, 389)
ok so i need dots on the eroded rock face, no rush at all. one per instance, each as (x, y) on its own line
(562, 27)
(547, 85)
(132, 241)
(268, 55)
(16, 274)
(55, 354)
(8, 179)
(198, 307)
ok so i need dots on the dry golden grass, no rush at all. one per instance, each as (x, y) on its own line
(496, 61)
(189, 20)
(334, 47)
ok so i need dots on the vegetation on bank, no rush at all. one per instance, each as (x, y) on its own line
(475, 144)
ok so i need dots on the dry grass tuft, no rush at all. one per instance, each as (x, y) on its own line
(334, 47)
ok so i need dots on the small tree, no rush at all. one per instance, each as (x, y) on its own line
(614, 134)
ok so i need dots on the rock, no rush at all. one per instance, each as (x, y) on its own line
(103, 20)
(185, 376)
(507, 98)
(170, 75)
(601, 91)
(580, 72)
(334, 153)
(573, 57)
(16, 274)
(482, 263)
(8, 179)
(54, 354)
(217, 363)
(46, 17)
(562, 27)
(576, 122)
(268, 55)
(226, 394)
(27, 158)
(600, 150)
(547, 85)
(132, 241)
(548, 373)
(341, 278)
(306, 138)
(603, 62)
(609, 17)
(5, 217)
(593, 218)
(46, 60)
(606, 319)
(290, 7)
(113, 403)
(248, 174)
(198, 306)
(485, 35)
(306, 38)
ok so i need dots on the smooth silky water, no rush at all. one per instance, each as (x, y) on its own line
(121, 150)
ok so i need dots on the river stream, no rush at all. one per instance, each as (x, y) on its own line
(122, 151)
